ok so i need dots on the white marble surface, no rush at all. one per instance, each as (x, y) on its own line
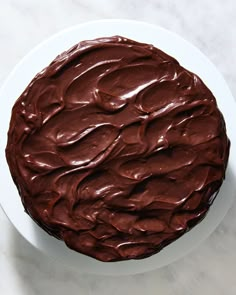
(208, 24)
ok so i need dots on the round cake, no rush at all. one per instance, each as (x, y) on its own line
(116, 149)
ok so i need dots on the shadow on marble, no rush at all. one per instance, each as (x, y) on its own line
(38, 274)
(41, 275)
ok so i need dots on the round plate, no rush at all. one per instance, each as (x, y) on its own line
(189, 57)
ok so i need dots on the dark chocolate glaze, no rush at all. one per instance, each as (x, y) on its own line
(117, 149)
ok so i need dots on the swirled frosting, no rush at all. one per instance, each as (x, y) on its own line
(116, 149)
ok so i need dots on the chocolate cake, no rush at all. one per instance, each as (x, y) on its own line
(116, 149)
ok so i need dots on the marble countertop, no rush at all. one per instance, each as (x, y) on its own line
(208, 24)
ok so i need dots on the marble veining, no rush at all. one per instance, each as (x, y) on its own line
(210, 269)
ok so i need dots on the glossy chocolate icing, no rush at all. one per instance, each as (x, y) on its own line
(117, 149)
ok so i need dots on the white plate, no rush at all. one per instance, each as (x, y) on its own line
(191, 58)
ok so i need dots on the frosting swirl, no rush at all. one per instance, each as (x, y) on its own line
(117, 149)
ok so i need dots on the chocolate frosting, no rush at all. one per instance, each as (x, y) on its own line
(117, 149)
